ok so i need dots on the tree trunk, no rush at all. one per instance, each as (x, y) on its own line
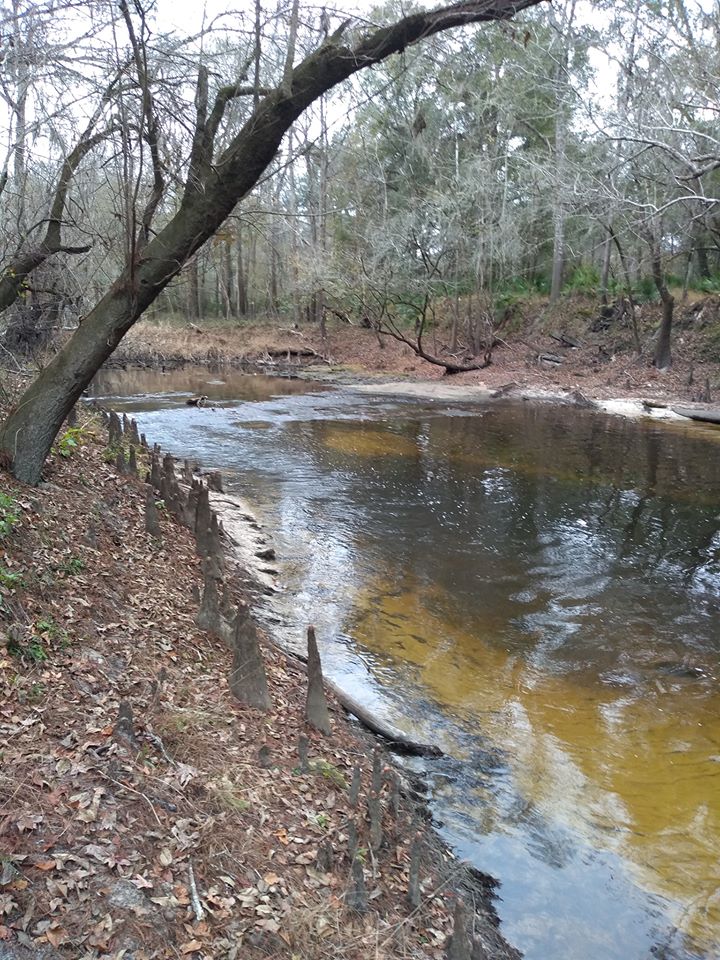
(628, 289)
(229, 279)
(193, 303)
(20, 72)
(662, 358)
(558, 261)
(702, 259)
(214, 187)
(562, 95)
(455, 324)
(320, 313)
(294, 251)
(242, 299)
(605, 276)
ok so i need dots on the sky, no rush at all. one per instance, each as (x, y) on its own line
(187, 15)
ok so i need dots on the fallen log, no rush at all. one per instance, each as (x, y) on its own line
(564, 340)
(552, 358)
(397, 739)
(298, 352)
(698, 413)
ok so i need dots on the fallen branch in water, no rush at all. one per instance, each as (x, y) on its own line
(397, 739)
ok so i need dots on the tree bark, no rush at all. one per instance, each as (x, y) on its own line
(605, 275)
(209, 198)
(242, 298)
(562, 89)
(662, 358)
(193, 298)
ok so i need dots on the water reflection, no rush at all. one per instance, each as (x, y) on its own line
(538, 589)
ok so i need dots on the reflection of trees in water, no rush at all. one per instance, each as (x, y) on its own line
(580, 446)
(232, 384)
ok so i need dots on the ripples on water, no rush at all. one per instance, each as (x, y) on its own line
(535, 587)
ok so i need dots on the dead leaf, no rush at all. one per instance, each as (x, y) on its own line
(322, 878)
(28, 821)
(192, 946)
(57, 936)
(140, 882)
(8, 872)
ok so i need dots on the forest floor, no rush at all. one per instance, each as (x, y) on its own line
(189, 830)
(604, 366)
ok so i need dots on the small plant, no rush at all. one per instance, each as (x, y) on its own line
(70, 441)
(10, 578)
(72, 566)
(36, 693)
(709, 284)
(228, 796)
(584, 279)
(329, 771)
(8, 515)
(321, 819)
(46, 628)
(34, 650)
(645, 290)
(110, 453)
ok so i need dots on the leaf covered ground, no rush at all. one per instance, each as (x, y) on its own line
(188, 829)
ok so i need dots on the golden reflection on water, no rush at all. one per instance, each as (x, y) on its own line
(367, 441)
(635, 769)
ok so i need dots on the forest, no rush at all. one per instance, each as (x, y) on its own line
(398, 171)
(359, 544)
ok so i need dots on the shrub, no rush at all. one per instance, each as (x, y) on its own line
(584, 279)
(9, 515)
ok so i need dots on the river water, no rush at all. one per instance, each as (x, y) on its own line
(534, 588)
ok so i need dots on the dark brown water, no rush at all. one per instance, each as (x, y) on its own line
(537, 589)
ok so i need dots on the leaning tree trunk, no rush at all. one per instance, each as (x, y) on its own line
(214, 186)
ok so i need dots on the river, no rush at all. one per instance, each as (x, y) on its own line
(534, 588)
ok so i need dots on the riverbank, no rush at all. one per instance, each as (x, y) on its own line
(143, 811)
(532, 359)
